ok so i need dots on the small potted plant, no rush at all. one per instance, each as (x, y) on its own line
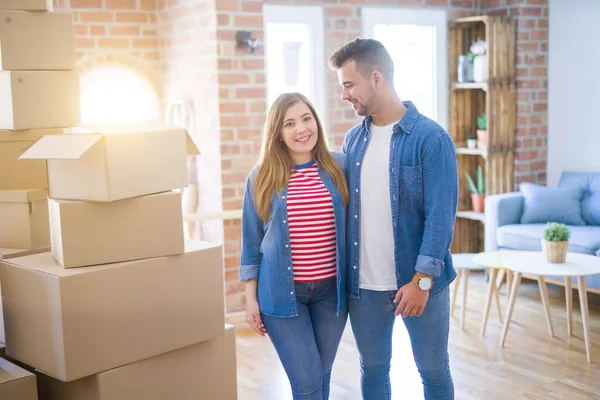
(477, 192)
(482, 134)
(555, 242)
(472, 141)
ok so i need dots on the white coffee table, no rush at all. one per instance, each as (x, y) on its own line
(494, 260)
(534, 263)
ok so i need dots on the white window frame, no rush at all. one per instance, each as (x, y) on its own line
(313, 17)
(372, 16)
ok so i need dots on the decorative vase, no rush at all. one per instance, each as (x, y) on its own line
(471, 143)
(478, 201)
(482, 139)
(480, 68)
(555, 252)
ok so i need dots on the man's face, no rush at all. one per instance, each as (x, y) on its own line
(357, 89)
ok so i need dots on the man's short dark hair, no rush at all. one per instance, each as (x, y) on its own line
(368, 54)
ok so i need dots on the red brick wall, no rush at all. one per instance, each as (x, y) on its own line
(116, 32)
(242, 94)
(532, 84)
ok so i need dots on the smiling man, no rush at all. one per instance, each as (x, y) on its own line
(403, 196)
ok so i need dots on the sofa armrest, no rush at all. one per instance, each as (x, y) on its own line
(501, 209)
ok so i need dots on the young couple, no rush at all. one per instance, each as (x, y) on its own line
(365, 233)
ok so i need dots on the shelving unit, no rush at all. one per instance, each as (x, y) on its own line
(497, 99)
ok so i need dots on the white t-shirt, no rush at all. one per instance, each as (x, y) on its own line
(377, 267)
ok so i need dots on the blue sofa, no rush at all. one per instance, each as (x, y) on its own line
(516, 220)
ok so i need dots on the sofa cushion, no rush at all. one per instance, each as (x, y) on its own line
(589, 182)
(598, 253)
(551, 204)
(583, 239)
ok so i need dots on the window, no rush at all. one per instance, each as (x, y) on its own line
(294, 53)
(417, 42)
(117, 94)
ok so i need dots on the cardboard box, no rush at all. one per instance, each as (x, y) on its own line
(5, 253)
(36, 40)
(24, 174)
(115, 161)
(24, 219)
(16, 383)
(87, 233)
(29, 5)
(205, 371)
(39, 99)
(2, 350)
(72, 323)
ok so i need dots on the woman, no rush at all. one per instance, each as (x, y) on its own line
(293, 245)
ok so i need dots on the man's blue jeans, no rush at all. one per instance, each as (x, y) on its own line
(372, 318)
(307, 344)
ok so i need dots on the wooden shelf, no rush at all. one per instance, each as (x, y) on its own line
(475, 152)
(476, 216)
(470, 86)
(470, 20)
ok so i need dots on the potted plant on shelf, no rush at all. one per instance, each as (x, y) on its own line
(482, 134)
(472, 141)
(555, 242)
(477, 192)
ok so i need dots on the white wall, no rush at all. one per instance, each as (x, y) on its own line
(573, 87)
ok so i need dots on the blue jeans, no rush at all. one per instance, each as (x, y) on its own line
(372, 318)
(307, 344)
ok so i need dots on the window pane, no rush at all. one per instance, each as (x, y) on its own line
(288, 59)
(413, 49)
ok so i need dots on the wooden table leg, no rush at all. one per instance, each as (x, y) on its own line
(511, 306)
(463, 309)
(455, 291)
(583, 302)
(498, 307)
(569, 299)
(509, 281)
(546, 304)
(488, 300)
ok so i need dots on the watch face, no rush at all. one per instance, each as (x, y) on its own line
(425, 283)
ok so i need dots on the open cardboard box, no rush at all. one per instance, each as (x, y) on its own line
(108, 162)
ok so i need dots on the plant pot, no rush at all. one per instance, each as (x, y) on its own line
(482, 139)
(471, 143)
(478, 201)
(555, 252)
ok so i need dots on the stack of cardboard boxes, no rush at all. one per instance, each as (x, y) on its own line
(122, 307)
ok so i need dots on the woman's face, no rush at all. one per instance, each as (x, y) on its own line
(300, 132)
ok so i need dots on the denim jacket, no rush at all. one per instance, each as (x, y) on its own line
(423, 195)
(266, 253)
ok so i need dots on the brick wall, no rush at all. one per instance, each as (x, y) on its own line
(532, 84)
(116, 32)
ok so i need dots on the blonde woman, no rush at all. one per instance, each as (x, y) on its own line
(293, 257)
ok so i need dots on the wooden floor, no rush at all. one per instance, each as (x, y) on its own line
(531, 366)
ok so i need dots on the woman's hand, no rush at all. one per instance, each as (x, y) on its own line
(253, 317)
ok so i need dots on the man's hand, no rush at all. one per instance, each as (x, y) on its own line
(412, 300)
(253, 317)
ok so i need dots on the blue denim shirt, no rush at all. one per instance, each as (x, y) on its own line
(423, 195)
(266, 253)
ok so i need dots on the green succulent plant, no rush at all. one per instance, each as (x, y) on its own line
(555, 232)
(480, 188)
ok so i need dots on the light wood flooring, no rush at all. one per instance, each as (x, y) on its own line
(531, 366)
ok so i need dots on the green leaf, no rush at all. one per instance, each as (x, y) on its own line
(555, 232)
(471, 184)
(480, 181)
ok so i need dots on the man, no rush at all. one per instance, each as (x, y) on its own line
(403, 196)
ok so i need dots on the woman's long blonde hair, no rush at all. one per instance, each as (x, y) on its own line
(275, 164)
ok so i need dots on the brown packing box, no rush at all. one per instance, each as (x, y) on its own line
(204, 371)
(39, 99)
(5, 253)
(72, 323)
(2, 350)
(24, 219)
(16, 383)
(115, 161)
(36, 40)
(29, 5)
(88, 233)
(24, 174)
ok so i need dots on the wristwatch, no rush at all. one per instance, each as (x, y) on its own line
(423, 283)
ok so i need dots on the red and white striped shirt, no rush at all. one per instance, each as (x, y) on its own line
(311, 222)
